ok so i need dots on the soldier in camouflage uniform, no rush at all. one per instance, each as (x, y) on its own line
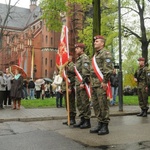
(71, 90)
(140, 77)
(100, 101)
(83, 104)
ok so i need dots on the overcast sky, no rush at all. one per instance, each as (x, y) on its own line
(21, 3)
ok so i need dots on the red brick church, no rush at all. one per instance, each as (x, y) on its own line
(25, 40)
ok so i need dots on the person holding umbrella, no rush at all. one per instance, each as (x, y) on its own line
(17, 86)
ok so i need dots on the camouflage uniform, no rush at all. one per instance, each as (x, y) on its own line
(83, 104)
(141, 76)
(71, 76)
(99, 97)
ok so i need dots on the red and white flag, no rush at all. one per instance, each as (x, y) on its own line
(63, 48)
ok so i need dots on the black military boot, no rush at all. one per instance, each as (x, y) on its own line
(141, 113)
(86, 124)
(104, 129)
(72, 120)
(77, 125)
(145, 113)
(97, 128)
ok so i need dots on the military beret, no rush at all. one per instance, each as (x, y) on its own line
(98, 37)
(141, 59)
(81, 45)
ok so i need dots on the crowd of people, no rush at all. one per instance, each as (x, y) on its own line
(14, 88)
(31, 90)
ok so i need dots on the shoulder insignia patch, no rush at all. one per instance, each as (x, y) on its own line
(85, 64)
(108, 60)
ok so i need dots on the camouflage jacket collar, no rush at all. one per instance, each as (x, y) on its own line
(100, 51)
(80, 56)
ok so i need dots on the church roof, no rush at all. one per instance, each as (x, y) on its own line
(18, 17)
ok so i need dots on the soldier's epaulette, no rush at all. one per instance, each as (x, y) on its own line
(106, 52)
(85, 57)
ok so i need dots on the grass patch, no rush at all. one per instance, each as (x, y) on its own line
(129, 100)
(39, 103)
(51, 102)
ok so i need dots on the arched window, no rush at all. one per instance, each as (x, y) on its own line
(45, 73)
(51, 63)
(45, 61)
(46, 39)
(51, 41)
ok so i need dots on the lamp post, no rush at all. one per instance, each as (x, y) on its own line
(120, 60)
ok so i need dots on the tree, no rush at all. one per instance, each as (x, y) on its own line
(137, 27)
(52, 10)
(107, 26)
(3, 23)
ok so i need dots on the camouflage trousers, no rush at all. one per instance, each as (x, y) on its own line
(72, 105)
(143, 98)
(83, 103)
(100, 104)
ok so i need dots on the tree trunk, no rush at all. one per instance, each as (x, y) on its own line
(144, 48)
(96, 19)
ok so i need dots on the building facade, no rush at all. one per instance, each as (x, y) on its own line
(25, 41)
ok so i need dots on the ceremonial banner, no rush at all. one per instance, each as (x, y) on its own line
(63, 49)
(62, 60)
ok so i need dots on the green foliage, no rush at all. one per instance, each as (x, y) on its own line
(51, 10)
(108, 26)
(129, 80)
(86, 36)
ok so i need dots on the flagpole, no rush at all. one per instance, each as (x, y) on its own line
(67, 99)
(67, 93)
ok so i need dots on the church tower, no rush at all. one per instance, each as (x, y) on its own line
(33, 4)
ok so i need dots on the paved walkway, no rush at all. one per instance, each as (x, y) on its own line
(38, 114)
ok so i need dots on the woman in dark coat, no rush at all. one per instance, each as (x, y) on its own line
(16, 89)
